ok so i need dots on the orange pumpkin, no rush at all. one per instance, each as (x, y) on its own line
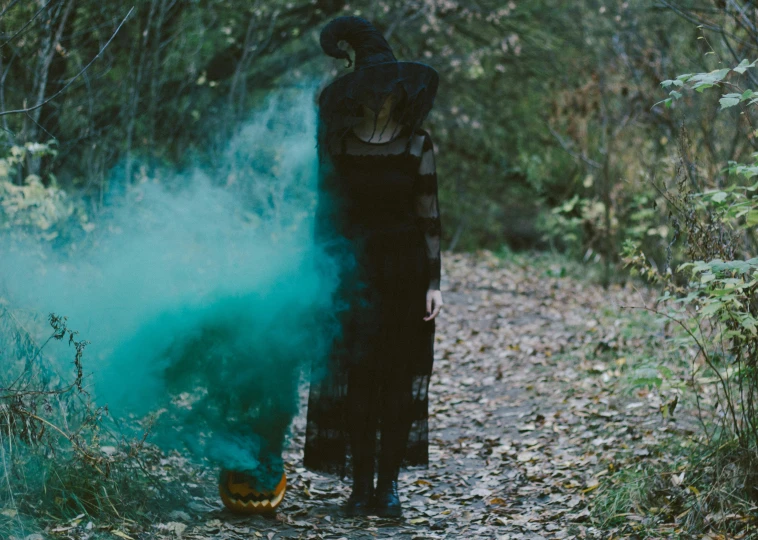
(241, 493)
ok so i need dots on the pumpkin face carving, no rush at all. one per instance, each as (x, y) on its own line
(240, 493)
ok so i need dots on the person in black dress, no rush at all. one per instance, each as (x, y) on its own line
(378, 215)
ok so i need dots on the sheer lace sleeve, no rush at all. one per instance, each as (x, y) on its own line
(427, 209)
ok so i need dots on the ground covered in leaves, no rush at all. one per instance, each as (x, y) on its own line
(532, 409)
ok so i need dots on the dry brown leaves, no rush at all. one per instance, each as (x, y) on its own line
(524, 418)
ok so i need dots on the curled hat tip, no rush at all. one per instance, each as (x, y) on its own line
(359, 33)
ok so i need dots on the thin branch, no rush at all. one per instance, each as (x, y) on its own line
(9, 7)
(686, 15)
(748, 72)
(14, 36)
(567, 147)
(59, 92)
(40, 126)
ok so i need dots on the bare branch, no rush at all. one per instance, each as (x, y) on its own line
(59, 92)
(567, 147)
(9, 7)
(18, 32)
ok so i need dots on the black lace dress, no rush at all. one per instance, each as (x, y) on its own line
(377, 375)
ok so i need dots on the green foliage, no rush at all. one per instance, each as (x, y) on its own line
(56, 453)
(701, 81)
(681, 490)
(180, 77)
(711, 297)
(42, 211)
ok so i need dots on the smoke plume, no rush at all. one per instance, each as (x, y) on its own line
(199, 292)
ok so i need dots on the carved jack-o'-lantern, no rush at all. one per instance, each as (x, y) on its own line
(241, 493)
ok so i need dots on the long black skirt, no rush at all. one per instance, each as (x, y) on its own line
(383, 357)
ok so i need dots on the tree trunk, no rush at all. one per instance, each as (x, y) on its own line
(50, 41)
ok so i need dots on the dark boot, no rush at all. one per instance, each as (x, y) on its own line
(359, 502)
(361, 497)
(387, 500)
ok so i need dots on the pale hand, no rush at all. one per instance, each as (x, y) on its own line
(433, 303)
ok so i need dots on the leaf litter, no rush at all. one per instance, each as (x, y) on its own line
(525, 418)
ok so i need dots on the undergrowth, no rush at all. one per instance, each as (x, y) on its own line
(683, 485)
(553, 264)
(62, 462)
(685, 489)
(706, 484)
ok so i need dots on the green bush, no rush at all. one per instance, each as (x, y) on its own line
(710, 295)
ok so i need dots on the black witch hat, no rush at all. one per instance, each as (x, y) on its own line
(376, 75)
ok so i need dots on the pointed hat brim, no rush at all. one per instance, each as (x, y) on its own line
(372, 84)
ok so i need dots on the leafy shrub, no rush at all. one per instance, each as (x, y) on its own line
(43, 211)
(711, 296)
(58, 460)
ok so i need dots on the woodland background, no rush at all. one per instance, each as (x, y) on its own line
(543, 105)
(617, 135)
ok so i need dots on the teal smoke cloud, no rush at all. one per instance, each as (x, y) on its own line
(201, 292)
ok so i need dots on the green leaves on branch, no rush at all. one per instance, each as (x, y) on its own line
(701, 81)
(730, 100)
(32, 206)
(722, 290)
(712, 297)
(731, 204)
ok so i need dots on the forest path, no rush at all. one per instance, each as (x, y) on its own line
(524, 417)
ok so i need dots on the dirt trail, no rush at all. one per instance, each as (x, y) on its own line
(524, 418)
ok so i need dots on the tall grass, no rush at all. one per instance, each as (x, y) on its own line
(61, 462)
